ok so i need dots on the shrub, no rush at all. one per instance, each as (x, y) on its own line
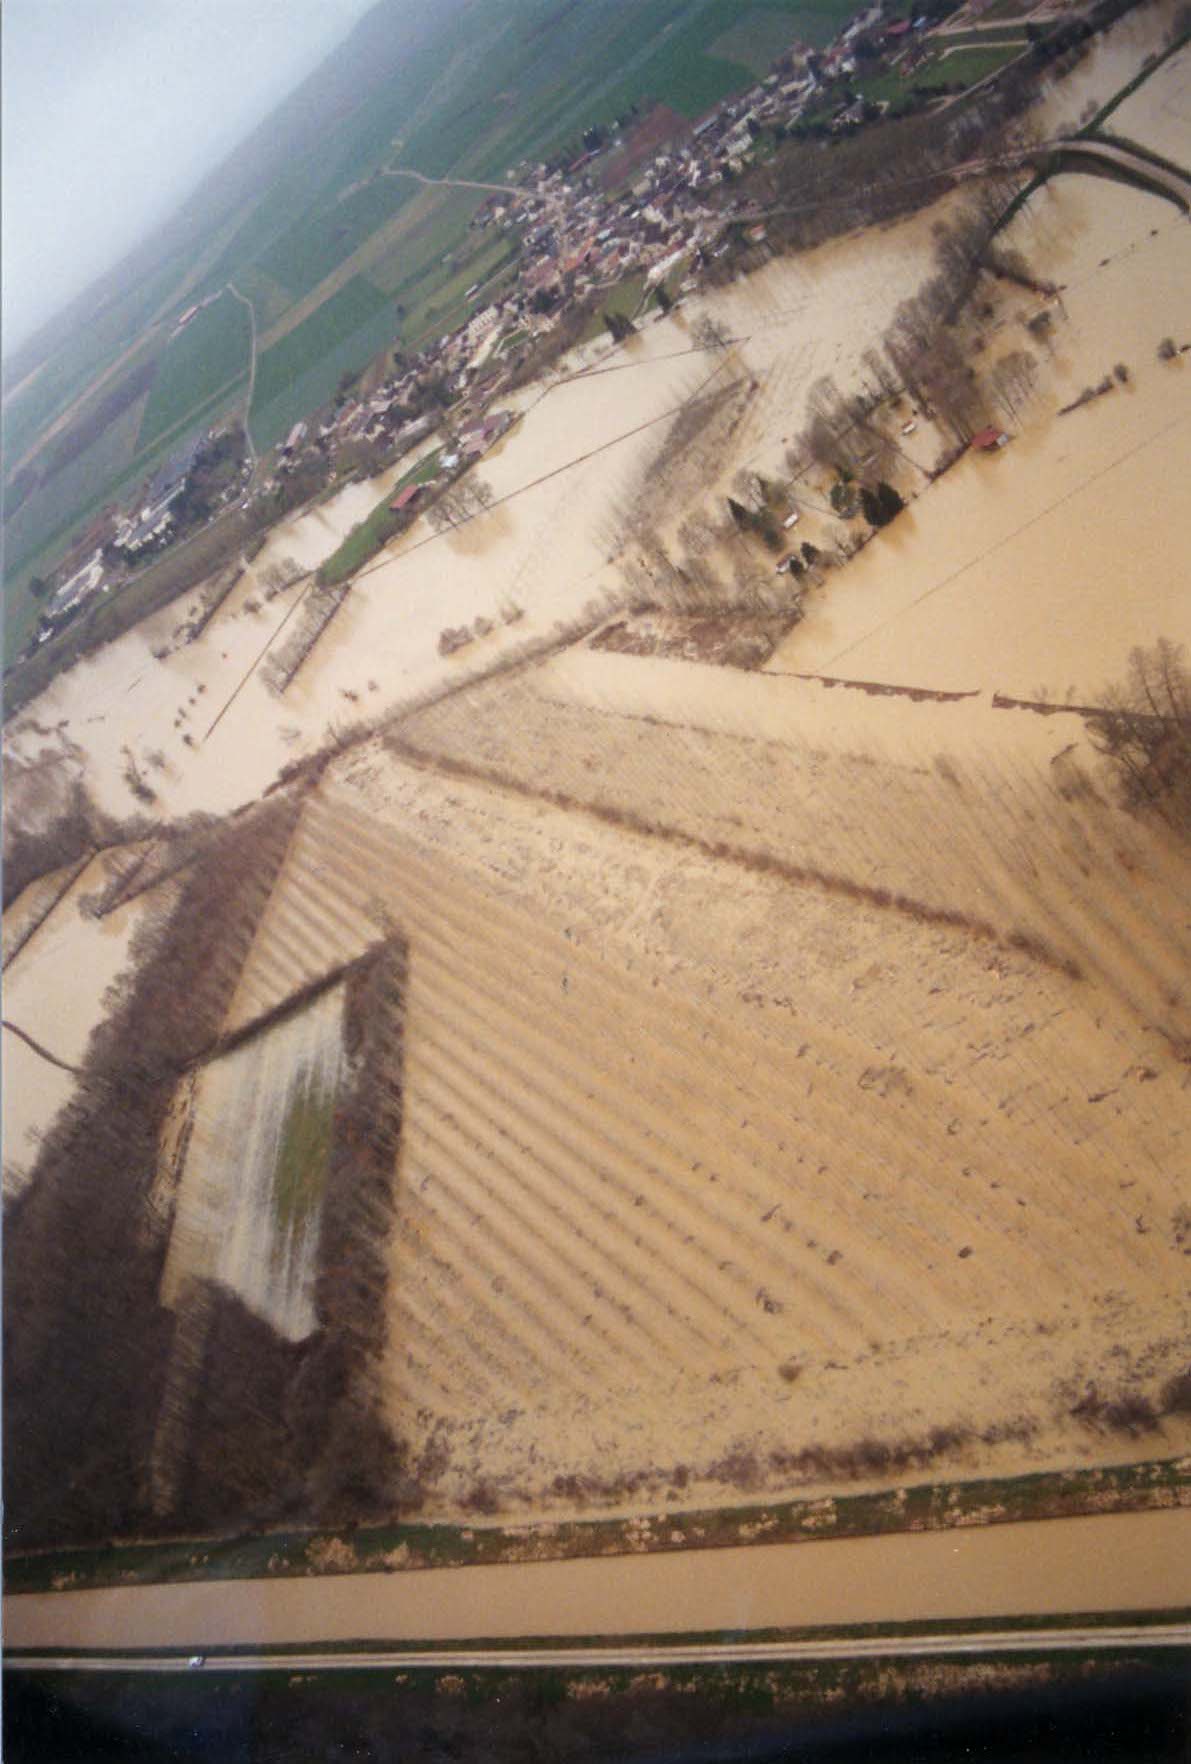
(1176, 1394)
(882, 505)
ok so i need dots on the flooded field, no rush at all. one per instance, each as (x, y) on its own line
(1111, 62)
(1158, 114)
(967, 589)
(544, 554)
(1035, 571)
(677, 1196)
(56, 990)
(789, 1067)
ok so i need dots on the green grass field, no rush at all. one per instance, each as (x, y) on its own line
(966, 67)
(885, 87)
(213, 352)
(984, 39)
(377, 528)
(303, 370)
(317, 243)
(755, 40)
(423, 252)
(438, 300)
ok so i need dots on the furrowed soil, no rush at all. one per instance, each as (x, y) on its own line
(707, 1178)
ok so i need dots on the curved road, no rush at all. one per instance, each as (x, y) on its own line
(1118, 1563)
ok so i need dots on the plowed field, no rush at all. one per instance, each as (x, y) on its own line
(711, 1181)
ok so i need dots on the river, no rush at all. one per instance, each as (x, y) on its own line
(1123, 1562)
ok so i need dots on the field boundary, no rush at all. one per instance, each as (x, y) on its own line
(1149, 1485)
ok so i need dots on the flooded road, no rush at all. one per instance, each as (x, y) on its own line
(1126, 1562)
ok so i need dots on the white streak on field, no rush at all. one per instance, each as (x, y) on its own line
(228, 1226)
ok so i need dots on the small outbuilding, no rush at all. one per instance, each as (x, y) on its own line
(988, 440)
(405, 498)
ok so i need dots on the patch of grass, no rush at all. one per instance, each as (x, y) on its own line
(316, 244)
(624, 298)
(211, 354)
(374, 532)
(977, 39)
(300, 1173)
(882, 88)
(756, 39)
(966, 67)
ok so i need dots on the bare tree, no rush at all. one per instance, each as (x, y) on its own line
(1145, 731)
(1013, 380)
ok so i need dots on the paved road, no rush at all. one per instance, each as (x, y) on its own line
(1119, 1563)
(654, 1656)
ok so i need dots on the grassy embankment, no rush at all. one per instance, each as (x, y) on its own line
(1155, 1483)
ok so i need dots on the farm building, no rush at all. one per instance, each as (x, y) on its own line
(989, 439)
(405, 498)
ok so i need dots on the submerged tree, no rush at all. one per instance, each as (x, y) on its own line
(1144, 730)
(881, 504)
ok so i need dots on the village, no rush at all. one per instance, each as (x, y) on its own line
(586, 225)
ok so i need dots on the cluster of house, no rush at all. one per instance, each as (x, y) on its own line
(462, 450)
(145, 528)
(575, 239)
(117, 538)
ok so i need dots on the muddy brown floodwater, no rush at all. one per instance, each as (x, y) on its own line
(1126, 1562)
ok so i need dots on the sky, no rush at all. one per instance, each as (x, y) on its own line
(113, 110)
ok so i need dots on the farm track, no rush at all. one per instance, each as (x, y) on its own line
(608, 1190)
